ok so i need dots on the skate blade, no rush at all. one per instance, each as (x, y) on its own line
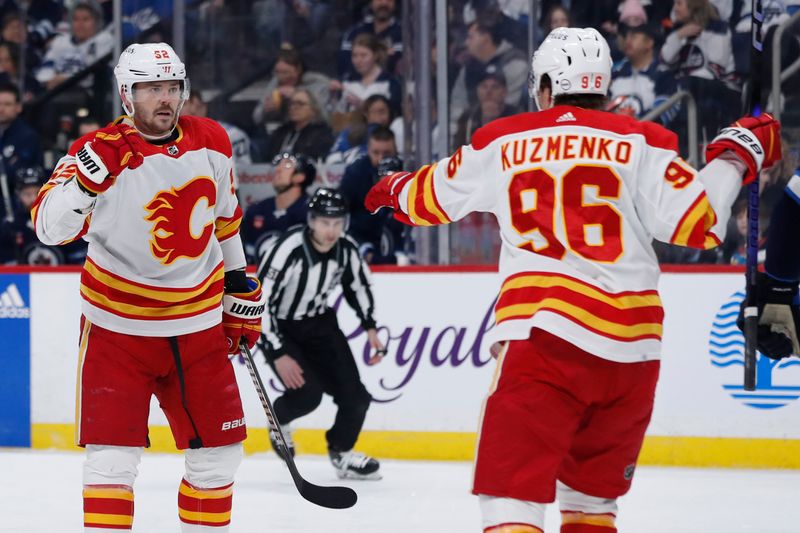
(374, 476)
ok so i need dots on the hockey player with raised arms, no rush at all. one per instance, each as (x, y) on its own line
(165, 298)
(579, 194)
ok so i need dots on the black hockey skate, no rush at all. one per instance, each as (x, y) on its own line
(287, 436)
(354, 465)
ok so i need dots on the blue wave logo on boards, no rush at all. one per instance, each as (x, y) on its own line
(777, 382)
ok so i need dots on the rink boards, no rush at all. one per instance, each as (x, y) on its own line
(429, 390)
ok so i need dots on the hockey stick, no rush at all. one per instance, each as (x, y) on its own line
(751, 287)
(6, 192)
(330, 497)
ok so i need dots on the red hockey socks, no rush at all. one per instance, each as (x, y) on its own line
(107, 507)
(204, 507)
(578, 522)
(513, 528)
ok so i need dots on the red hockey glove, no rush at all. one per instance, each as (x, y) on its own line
(756, 140)
(241, 315)
(100, 160)
(386, 193)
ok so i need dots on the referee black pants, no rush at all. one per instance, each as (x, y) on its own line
(321, 350)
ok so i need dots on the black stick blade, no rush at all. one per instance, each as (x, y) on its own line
(330, 497)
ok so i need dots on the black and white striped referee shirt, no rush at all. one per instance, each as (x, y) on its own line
(297, 280)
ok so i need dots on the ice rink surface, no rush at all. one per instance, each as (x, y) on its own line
(40, 493)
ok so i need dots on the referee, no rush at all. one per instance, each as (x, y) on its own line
(304, 344)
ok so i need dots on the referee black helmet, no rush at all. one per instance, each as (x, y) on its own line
(328, 202)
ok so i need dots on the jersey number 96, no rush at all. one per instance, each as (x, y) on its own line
(578, 217)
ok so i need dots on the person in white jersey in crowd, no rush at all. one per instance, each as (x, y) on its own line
(579, 194)
(165, 294)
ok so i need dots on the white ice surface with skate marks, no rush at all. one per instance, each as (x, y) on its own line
(40, 493)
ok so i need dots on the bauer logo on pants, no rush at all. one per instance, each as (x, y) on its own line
(778, 382)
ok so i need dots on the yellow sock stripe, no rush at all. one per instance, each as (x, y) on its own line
(603, 520)
(210, 494)
(214, 518)
(513, 528)
(108, 519)
(115, 494)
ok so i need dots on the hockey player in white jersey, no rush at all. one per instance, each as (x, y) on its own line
(579, 194)
(165, 295)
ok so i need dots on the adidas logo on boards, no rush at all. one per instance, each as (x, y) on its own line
(566, 117)
(11, 304)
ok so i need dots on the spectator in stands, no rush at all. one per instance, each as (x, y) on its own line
(631, 14)
(68, 54)
(269, 218)
(492, 93)
(381, 23)
(9, 70)
(699, 53)
(19, 143)
(86, 125)
(370, 232)
(638, 84)
(368, 78)
(485, 46)
(304, 132)
(557, 16)
(18, 241)
(288, 75)
(352, 140)
(775, 12)
(240, 141)
(12, 30)
(511, 15)
(733, 250)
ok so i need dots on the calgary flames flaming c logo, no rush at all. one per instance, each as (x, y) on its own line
(171, 214)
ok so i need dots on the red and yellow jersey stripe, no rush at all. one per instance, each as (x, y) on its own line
(227, 227)
(129, 299)
(61, 174)
(694, 228)
(625, 316)
(423, 207)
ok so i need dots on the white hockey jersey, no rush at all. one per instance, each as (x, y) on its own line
(157, 237)
(579, 195)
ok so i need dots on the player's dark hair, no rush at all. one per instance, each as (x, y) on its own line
(381, 133)
(8, 87)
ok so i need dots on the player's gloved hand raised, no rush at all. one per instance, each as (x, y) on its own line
(756, 140)
(241, 315)
(386, 193)
(778, 317)
(101, 159)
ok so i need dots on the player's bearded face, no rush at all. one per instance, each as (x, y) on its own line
(156, 106)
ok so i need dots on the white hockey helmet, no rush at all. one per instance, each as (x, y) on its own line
(149, 62)
(577, 60)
